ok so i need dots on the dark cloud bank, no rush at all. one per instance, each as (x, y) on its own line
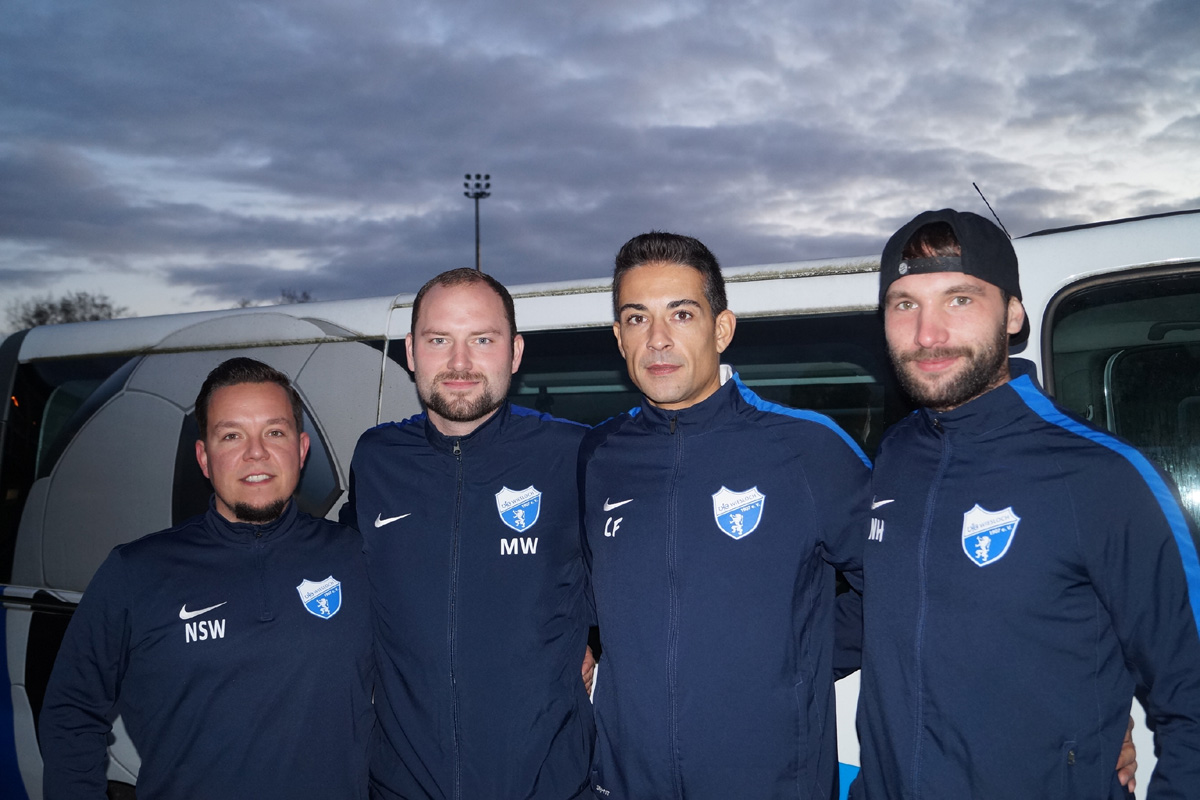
(234, 149)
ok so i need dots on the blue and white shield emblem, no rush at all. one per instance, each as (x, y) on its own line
(987, 535)
(738, 513)
(322, 599)
(519, 510)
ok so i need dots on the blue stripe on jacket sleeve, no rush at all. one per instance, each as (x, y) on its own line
(1044, 408)
(522, 411)
(775, 408)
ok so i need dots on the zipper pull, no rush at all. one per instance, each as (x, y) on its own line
(457, 449)
(937, 424)
(672, 424)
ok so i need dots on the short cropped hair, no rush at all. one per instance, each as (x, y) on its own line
(235, 371)
(671, 248)
(462, 277)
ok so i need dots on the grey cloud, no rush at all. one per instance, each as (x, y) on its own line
(50, 192)
(1184, 131)
(14, 278)
(1113, 98)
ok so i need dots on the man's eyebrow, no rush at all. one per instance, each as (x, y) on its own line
(432, 332)
(966, 288)
(963, 288)
(229, 423)
(673, 304)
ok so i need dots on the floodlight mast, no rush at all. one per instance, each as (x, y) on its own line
(477, 192)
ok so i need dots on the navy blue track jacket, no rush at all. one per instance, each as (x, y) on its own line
(238, 656)
(481, 609)
(713, 533)
(1025, 571)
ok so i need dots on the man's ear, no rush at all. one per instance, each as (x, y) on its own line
(518, 349)
(726, 323)
(202, 458)
(408, 352)
(1016, 316)
(617, 333)
(304, 443)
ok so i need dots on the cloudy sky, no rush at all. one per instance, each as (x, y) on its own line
(182, 156)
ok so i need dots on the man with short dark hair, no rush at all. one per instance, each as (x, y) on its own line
(714, 522)
(470, 517)
(236, 646)
(1025, 571)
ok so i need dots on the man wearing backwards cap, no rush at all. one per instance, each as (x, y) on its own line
(1025, 571)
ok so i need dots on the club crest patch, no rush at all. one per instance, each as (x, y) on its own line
(738, 513)
(519, 510)
(323, 599)
(987, 535)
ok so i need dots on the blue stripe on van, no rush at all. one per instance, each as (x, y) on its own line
(775, 408)
(1041, 405)
(11, 784)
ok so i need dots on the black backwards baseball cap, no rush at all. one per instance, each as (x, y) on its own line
(987, 254)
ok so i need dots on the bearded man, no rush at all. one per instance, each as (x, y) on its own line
(1024, 572)
(470, 521)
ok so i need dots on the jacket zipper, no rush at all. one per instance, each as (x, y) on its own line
(923, 588)
(673, 620)
(452, 632)
(265, 613)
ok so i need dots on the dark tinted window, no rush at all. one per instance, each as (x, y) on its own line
(47, 401)
(834, 364)
(1125, 354)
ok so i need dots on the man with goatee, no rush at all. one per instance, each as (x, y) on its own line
(236, 646)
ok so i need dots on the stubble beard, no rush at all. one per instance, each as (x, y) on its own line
(460, 408)
(987, 367)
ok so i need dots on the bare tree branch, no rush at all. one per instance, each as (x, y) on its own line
(71, 307)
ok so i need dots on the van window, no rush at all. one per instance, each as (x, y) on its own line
(1125, 354)
(48, 401)
(835, 364)
(71, 404)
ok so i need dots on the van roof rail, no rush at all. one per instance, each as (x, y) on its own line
(1109, 222)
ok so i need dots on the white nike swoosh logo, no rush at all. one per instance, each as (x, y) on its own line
(610, 506)
(877, 503)
(185, 614)
(380, 521)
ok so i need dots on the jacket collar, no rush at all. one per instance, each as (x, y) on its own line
(491, 430)
(991, 410)
(247, 532)
(700, 418)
